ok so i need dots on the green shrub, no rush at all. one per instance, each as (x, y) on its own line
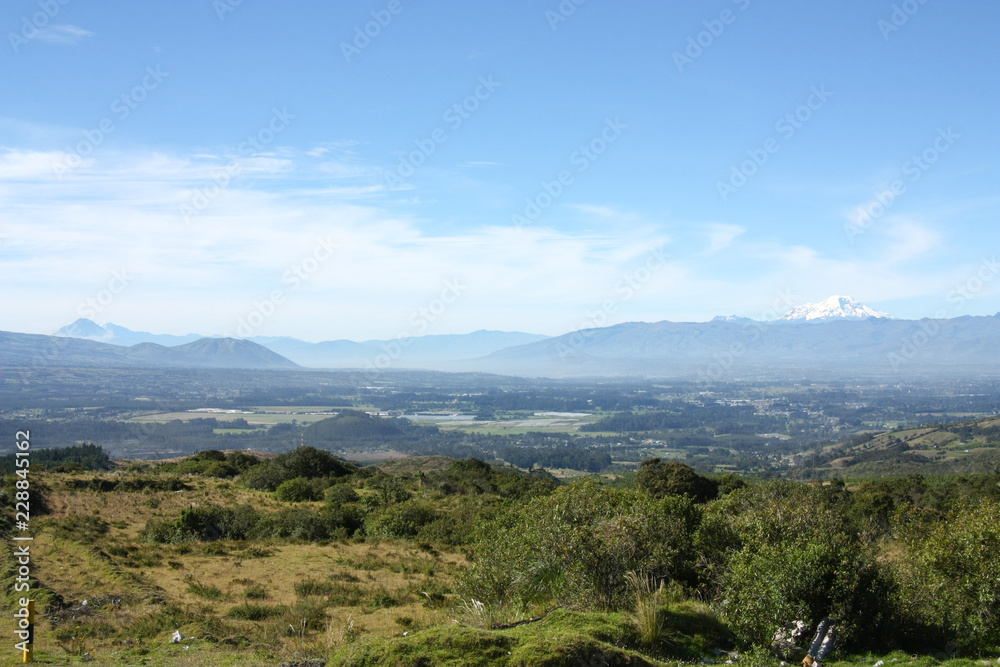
(345, 595)
(255, 592)
(221, 469)
(576, 546)
(296, 490)
(254, 612)
(311, 462)
(205, 524)
(306, 615)
(241, 461)
(781, 554)
(306, 587)
(383, 599)
(341, 494)
(659, 479)
(265, 477)
(949, 578)
(401, 520)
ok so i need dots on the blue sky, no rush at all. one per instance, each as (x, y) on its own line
(180, 166)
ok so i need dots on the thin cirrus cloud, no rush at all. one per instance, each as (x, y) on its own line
(62, 34)
(65, 238)
(722, 236)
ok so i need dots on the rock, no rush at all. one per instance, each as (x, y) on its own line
(784, 644)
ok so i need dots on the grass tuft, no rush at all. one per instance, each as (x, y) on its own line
(254, 612)
(207, 592)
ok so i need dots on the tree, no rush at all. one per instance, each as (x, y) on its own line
(660, 479)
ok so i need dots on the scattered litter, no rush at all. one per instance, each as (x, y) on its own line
(785, 645)
(825, 640)
(880, 663)
(83, 604)
(406, 634)
(176, 637)
(785, 664)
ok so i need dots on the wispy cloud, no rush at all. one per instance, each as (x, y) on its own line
(722, 236)
(63, 34)
(120, 211)
(480, 164)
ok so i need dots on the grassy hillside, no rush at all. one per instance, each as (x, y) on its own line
(435, 561)
(958, 448)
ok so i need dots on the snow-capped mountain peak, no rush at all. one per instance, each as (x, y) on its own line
(834, 308)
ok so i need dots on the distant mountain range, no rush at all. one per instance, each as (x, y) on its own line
(34, 351)
(836, 337)
(416, 352)
(116, 335)
(723, 350)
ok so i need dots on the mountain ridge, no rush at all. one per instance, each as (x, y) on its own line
(34, 350)
(410, 352)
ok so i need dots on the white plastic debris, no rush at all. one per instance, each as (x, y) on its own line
(784, 664)
(176, 637)
(880, 663)
(83, 604)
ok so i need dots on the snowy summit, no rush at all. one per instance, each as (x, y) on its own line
(834, 308)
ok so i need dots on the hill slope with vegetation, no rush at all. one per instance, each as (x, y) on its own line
(306, 556)
(955, 448)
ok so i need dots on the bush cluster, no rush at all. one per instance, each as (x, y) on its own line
(893, 571)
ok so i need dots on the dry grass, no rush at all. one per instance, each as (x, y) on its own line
(139, 593)
(647, 616)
